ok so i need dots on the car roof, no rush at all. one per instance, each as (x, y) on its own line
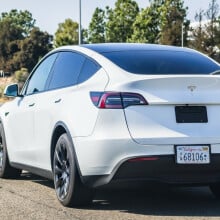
(112, 47)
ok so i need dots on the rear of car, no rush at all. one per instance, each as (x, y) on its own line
(158, 117)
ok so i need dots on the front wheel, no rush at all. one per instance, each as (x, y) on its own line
(6, 171)
(69, 189)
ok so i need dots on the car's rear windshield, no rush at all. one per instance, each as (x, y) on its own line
(162, 62)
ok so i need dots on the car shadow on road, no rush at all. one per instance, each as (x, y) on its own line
(149, 199)
(159, 200)
(37, 179)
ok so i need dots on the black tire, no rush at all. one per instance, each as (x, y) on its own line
(6, 171)
(69, 189)
(215, 188)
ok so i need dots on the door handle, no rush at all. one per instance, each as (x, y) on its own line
(57, 101)
(31, 105)
(6, 113)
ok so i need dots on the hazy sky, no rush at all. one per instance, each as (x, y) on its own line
(49, 13)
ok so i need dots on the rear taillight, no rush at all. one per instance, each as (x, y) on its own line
(116, 100)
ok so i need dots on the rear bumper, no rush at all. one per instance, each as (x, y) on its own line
(106, 155)
(164, 169)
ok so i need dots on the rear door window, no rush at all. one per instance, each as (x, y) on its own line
(66, 70)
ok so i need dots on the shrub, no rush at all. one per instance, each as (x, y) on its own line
(20, 76)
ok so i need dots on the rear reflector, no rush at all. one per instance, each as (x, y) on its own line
(116, 100)
(139, 159)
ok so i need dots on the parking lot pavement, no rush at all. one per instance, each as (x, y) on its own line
(32, 197)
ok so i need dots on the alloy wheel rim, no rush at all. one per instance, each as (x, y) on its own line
(62, 171)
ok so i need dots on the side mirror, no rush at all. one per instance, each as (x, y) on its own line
(11, 91)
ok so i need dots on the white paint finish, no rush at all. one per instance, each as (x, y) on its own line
(104, 138)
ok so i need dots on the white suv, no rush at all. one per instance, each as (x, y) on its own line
(92, 114)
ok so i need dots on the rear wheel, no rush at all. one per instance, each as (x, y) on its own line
(6, 171)
(69, 189)
(215, 188)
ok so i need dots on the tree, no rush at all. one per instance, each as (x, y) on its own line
(161, 22)
(20, 76)
(198, 33)
(211, 15)
(15, 26)
(20, 20)
(31, 49)
(211, 29)
(67, 33)
(21, 43)
(120, 20)
(8, 42)
(146, 28)
(206, 35)
(96, 31)
(173, 16)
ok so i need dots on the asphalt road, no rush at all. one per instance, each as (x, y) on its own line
(32, 197)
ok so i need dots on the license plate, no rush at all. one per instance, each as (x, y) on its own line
(193, 154)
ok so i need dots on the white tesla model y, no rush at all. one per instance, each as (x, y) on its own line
(94, 114)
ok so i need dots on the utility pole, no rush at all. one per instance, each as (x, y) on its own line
(80, 26)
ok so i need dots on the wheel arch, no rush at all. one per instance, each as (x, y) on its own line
(59, 129)
(3, 127)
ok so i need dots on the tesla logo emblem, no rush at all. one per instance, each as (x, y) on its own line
(191, 88)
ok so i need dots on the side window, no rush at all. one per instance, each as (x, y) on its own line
(66, 70)
(38, 79)
(88, 70)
